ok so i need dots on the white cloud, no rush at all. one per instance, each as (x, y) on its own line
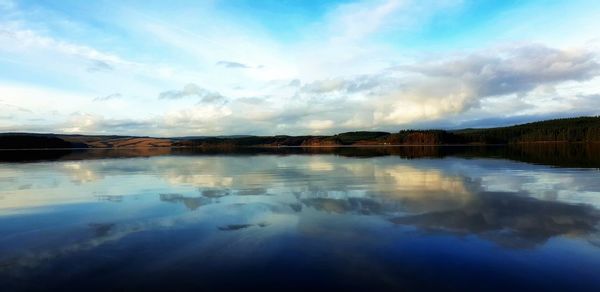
(193, 90)
(108, 97)
(320, 124)
(233, 65)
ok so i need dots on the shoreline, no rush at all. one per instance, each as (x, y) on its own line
(302, 146)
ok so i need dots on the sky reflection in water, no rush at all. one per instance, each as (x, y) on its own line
(297, 221)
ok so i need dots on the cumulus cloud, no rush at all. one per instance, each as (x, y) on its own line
(505, 79)
(320, 124)
(433, 89)
(193, 90)
(513, 70)
(108, 97)
(233, 65)
(355, 84)
(209, 118)
(81, 122)
(99, 66)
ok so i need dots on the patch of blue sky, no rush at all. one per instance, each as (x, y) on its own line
(283, 19)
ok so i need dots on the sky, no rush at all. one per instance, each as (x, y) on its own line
(265, 67)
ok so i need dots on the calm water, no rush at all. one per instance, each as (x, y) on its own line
(334, 218)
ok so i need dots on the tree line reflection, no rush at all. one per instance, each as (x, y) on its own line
(585, 155)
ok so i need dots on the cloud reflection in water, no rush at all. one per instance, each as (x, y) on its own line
(313, 201)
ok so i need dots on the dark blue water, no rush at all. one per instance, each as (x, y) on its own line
(298, 221)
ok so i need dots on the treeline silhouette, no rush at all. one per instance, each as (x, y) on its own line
(581, 129)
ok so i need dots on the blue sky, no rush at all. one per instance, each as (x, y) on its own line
(220, 67)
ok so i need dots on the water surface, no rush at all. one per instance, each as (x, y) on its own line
(378, 219)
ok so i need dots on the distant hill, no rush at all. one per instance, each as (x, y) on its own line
(204, 137)
(581, 129)
(40, 141)
(25, 141)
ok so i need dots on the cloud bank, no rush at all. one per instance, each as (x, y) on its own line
(358, 65)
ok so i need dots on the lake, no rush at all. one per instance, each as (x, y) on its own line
(391, 218)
